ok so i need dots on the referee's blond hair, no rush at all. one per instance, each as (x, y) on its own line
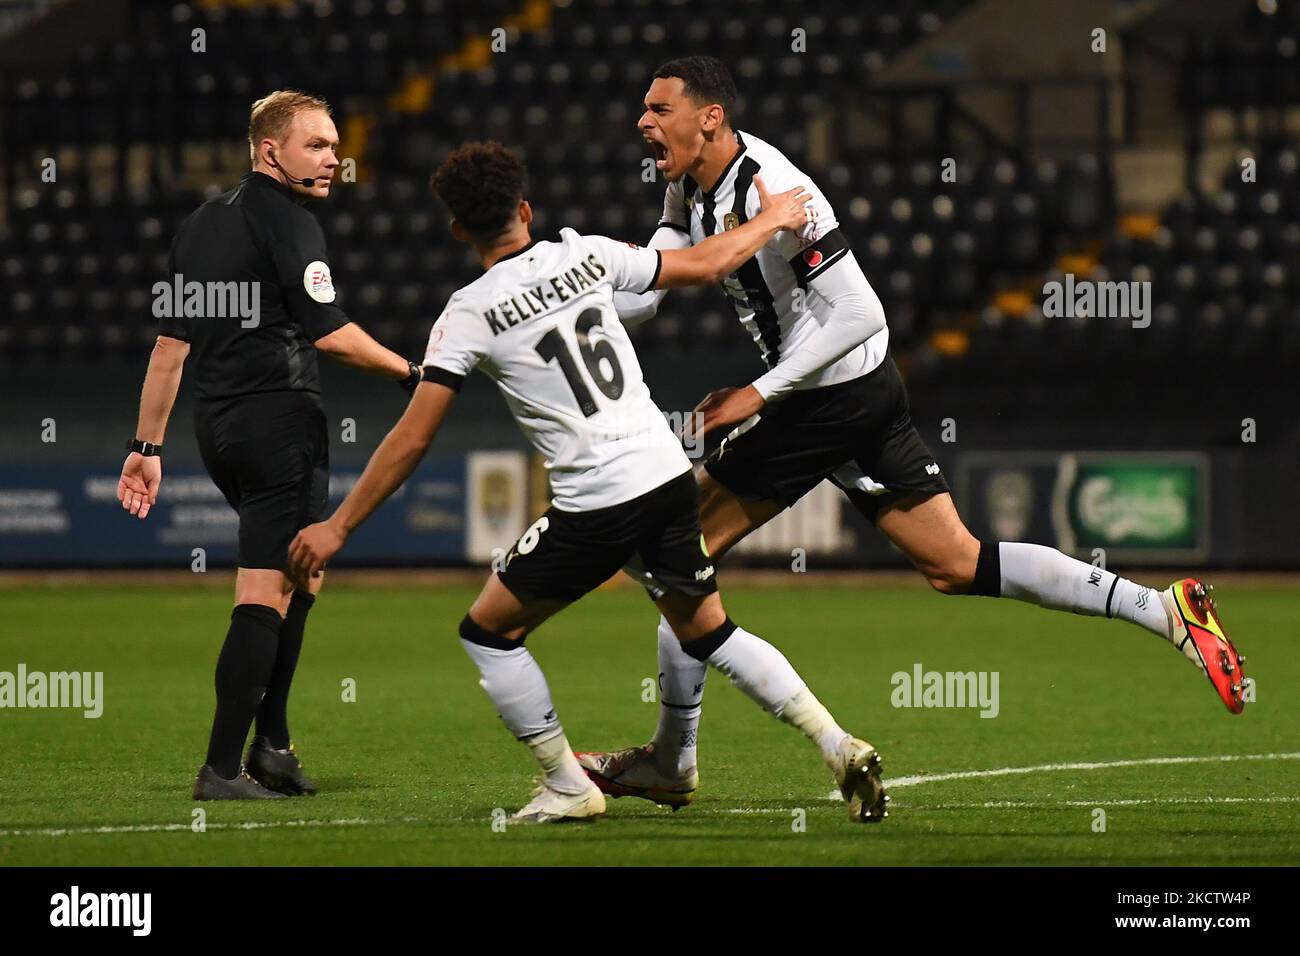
(272, 115)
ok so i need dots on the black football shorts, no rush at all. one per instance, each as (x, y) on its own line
(858, 433)
(565, 554)
(268, 453)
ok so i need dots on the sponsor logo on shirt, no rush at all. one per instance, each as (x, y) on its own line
(317, 281)
(435, 341)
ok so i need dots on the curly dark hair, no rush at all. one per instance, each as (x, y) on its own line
(482, 184)
(707, 80)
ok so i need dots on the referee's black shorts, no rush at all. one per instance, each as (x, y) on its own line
(269, 454)
(858, 433)
(565, 554)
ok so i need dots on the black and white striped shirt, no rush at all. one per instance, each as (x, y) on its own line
(774, 293)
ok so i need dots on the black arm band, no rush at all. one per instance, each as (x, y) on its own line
(817, 258)
(443, 377)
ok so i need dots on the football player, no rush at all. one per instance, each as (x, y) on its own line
(540, 322)
(831, 406)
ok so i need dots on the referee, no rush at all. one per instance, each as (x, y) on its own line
(260, 257)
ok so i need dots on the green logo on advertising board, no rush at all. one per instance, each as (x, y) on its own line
(1134, 503)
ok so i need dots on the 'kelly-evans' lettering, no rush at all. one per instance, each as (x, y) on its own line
(544, 297)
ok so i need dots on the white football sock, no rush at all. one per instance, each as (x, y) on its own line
(765, 676)
(681, 691)
(807, 713)
(516, 686)
(1049, 578)
(559, 766)
(758, 669)
(518, 689)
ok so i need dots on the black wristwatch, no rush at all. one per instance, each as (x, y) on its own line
(413, 379)
(146, 448)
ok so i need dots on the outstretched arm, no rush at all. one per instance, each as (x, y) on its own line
(352, 345)
(718, 256)
(303, 272)
(633, 308)
(390, 465)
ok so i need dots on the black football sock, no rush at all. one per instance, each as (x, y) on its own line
(243, 671)
(273, 714)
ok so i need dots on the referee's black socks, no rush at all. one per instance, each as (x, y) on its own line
(273, 715)
(244, 671)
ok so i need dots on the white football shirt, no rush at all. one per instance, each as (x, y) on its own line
(541, 323)
(773, 293)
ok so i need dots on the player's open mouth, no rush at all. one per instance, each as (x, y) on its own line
(661, 154)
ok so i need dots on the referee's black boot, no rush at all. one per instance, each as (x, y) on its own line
(209, 786)
(278, 770)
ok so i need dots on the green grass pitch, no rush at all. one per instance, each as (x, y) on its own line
(411, 772)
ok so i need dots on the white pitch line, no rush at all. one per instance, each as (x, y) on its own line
(174, 827)
(835, 796)
(1018, 805)
(1052, 805)
(1104, 765)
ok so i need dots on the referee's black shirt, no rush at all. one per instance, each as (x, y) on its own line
(257, 232)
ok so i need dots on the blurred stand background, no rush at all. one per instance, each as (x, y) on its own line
(974, 150)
